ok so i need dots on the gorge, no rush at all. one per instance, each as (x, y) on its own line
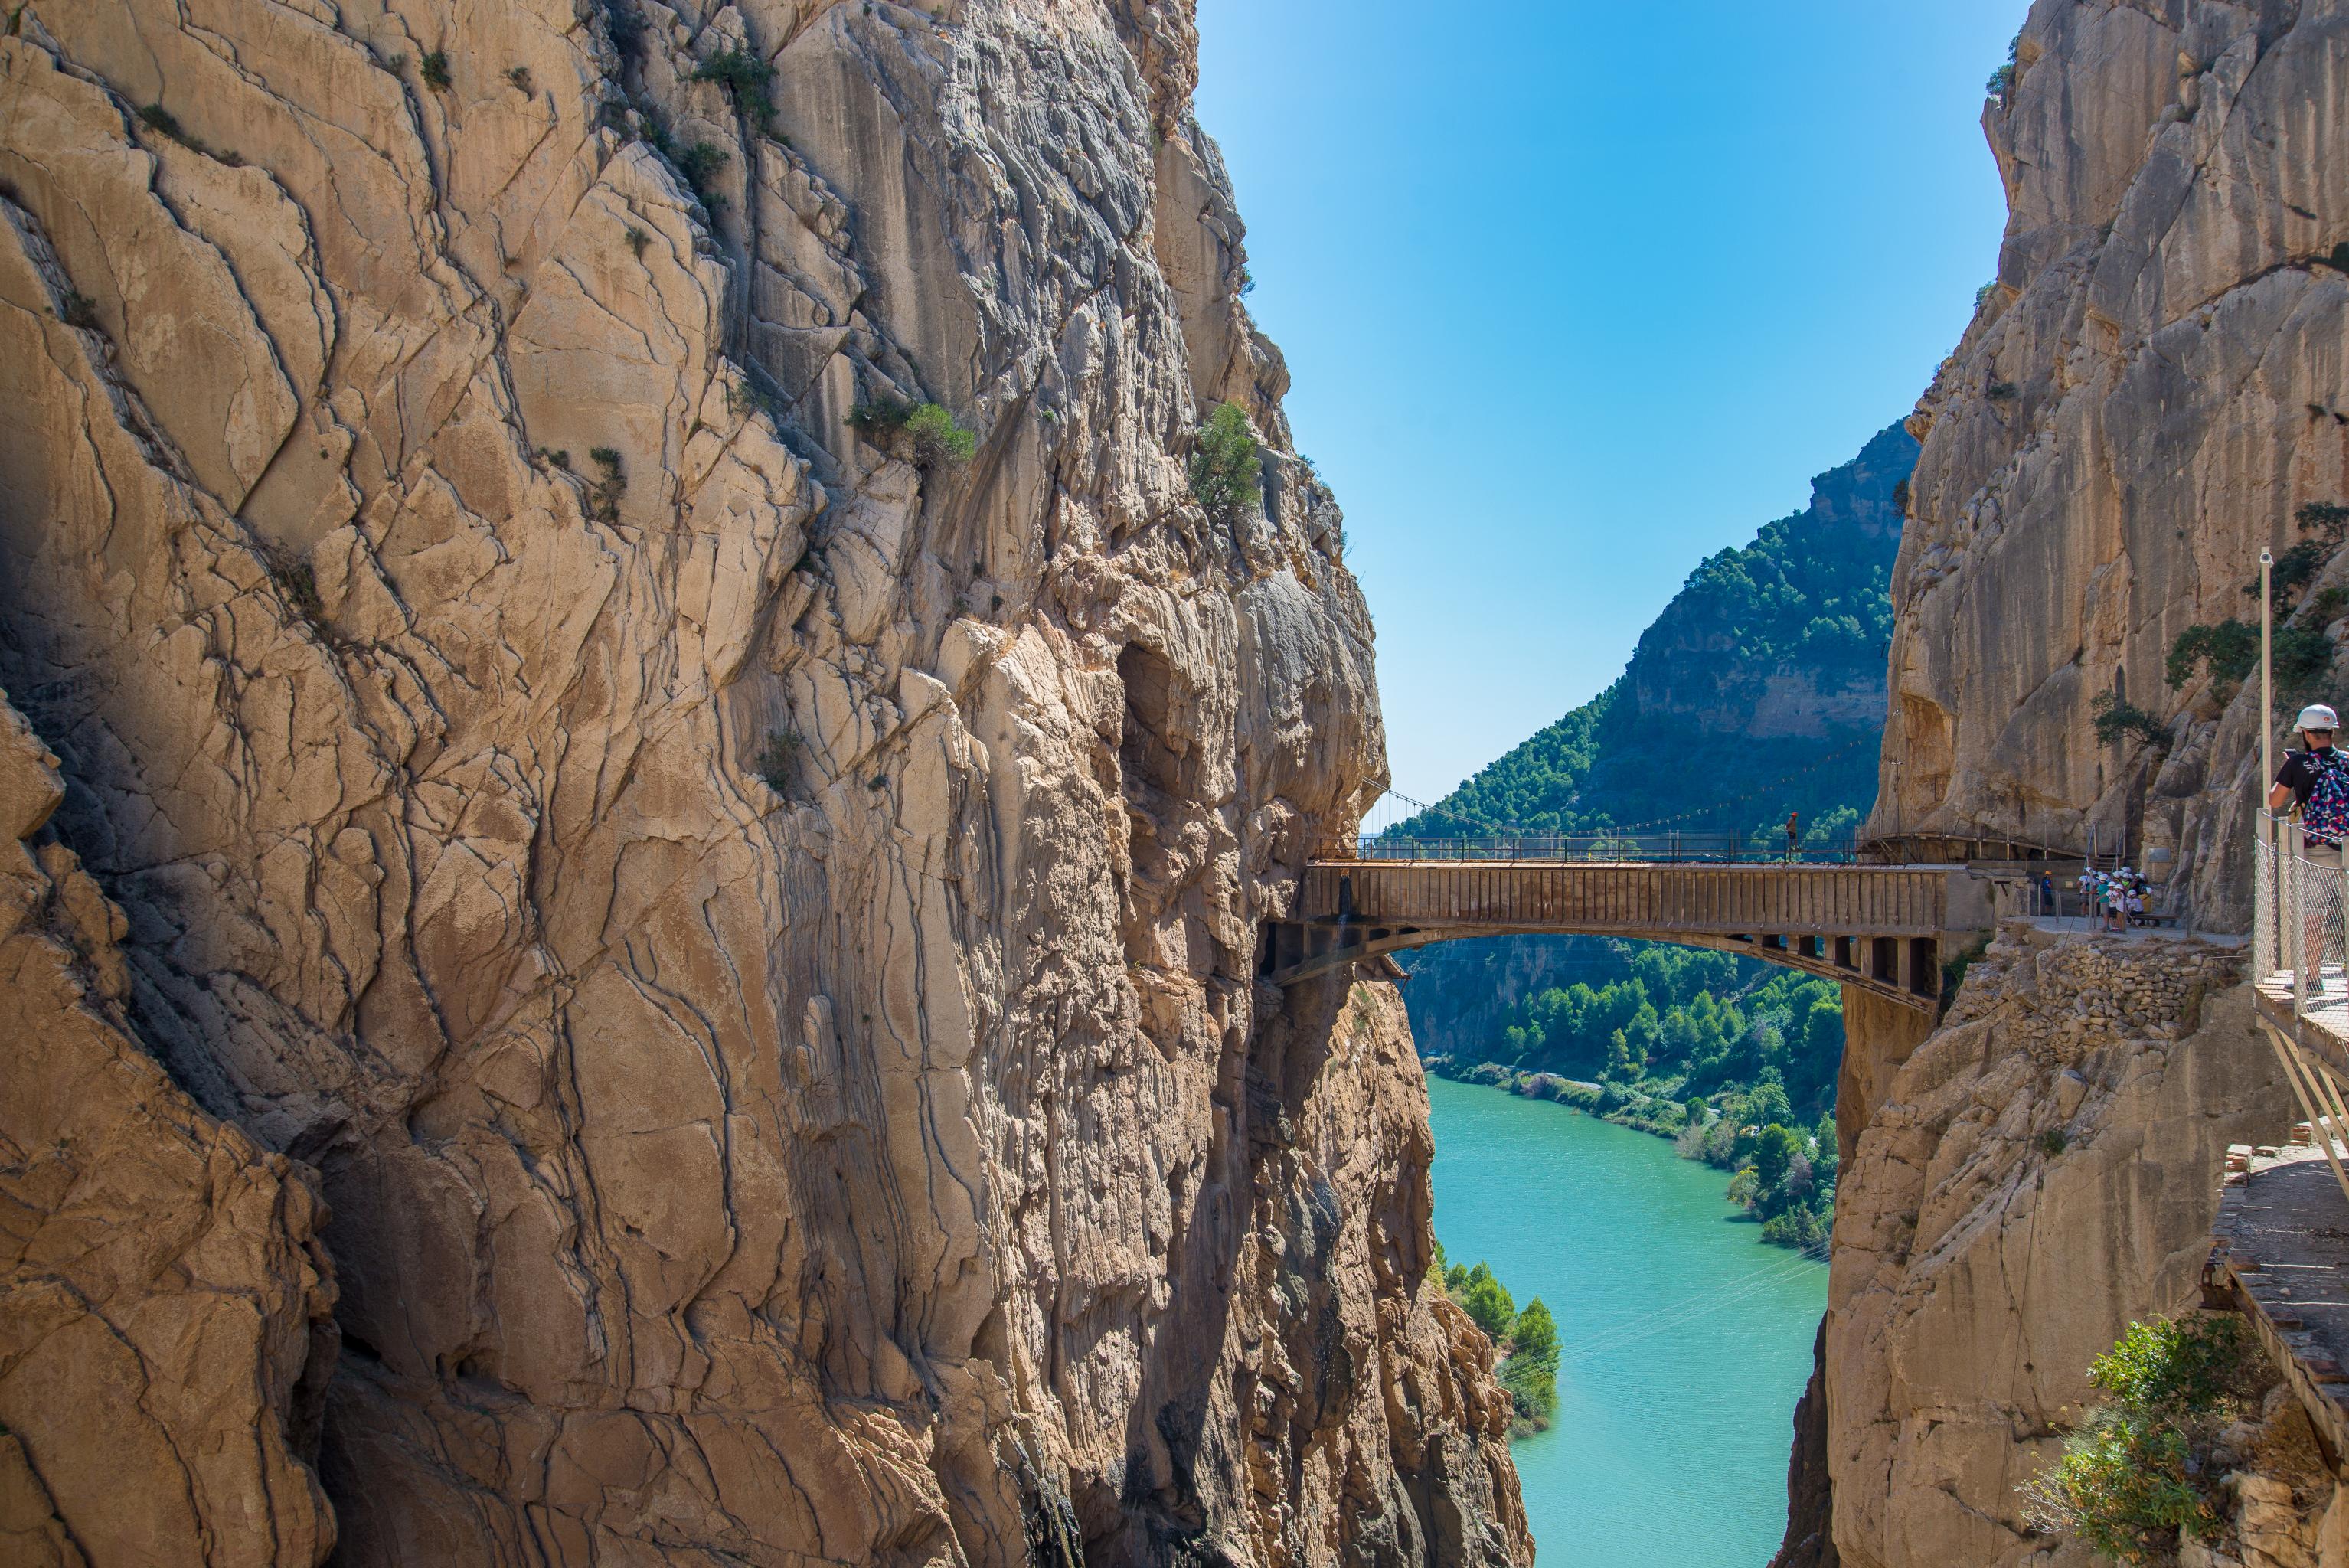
(643, 783)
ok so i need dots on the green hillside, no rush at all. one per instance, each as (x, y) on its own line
(1759, 690)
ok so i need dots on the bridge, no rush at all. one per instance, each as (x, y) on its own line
(1878, 927)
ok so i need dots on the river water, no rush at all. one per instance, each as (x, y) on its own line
(1686, 1340)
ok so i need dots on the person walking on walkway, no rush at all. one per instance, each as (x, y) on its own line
(2047, 894)
(2314, 785)
(1793, 836)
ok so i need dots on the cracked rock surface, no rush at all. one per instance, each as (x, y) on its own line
(2041, 1170)
(2148, 392)
(751, 921)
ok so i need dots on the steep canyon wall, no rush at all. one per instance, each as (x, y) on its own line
(2152, 389)
(748, 922)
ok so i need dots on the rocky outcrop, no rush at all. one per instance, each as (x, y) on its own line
(753, 918)
(2149, 391)
(2041, 1170)
(164, 1302)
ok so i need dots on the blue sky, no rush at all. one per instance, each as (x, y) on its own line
(1575, 295)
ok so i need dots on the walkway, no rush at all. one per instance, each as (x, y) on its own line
(1879, 928)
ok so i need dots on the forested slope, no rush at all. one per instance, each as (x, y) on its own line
(1759, 690)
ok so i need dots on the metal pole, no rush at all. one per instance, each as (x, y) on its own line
(2267, 679)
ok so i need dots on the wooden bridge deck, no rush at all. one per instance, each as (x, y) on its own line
(1876, 927)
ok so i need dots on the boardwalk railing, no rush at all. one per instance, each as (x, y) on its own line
(2299, 963)
(1660, 847)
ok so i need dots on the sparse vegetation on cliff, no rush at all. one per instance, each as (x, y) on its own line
(1226, 472)
(2229, 649)
(927, 432)
(745, 77)
(2134, 1479)
(1527, 1341)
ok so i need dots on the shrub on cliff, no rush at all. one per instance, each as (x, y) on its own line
(927, 432)
(2133, 1479)
(1226, 473)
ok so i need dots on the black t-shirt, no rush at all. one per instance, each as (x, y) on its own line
(2299, 774)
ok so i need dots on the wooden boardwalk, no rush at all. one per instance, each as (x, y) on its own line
(1876, 927)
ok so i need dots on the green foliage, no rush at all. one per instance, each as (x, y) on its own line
(2187, 1367)
(1485, 1300)
(1226, 473)
(2136, 1476)
(605, 496)
(1530, 1370)
(2053, 1141)
(518, 78)
(777, 757)
(925, 431)
(2123, 1488)
(434, 69)
(1954, 967)
(745, 77)
(1527, 1341)
(297, 583)
(1811, 595)
(2001, 83)
(78, 309)
(2001, 392)
(2115, 717)
(155, 117)
(2229, 650)
(699, 165)
(638, 240)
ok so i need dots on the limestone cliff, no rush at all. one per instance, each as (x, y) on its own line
(752, 918)
(164, 1301)
(2149, 391)
(2038, 1172)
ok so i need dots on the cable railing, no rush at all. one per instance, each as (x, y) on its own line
(1666, 847)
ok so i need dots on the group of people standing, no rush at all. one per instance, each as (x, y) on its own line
(2117, 897)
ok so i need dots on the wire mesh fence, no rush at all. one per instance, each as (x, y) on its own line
(2300, 931)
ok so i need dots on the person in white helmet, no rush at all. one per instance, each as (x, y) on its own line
(2314, 785)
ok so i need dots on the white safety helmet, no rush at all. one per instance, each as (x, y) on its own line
(2316, 715)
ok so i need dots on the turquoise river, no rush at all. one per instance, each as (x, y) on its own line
(1686, 1341)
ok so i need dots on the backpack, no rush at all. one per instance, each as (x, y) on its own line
(2326, 815)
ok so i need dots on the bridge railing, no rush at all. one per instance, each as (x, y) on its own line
(1664, 846)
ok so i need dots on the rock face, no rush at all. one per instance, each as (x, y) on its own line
(164, 1301)
(2149, 391)
(753, 920)
(2040, 1170)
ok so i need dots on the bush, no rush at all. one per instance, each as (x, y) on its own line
(2188, 1368)
(775, 759)
(2001, 392)
(1484, 1299)
(2122, 1487)
(926, 430)
(78, 309)
(699, 165)
(434, 69)
(1226, 472)
(1530, 1372)
(607, 491)
(518, 78)
(2229, 650)
(744, 77)
(2115, 717)
(2135, 1476)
